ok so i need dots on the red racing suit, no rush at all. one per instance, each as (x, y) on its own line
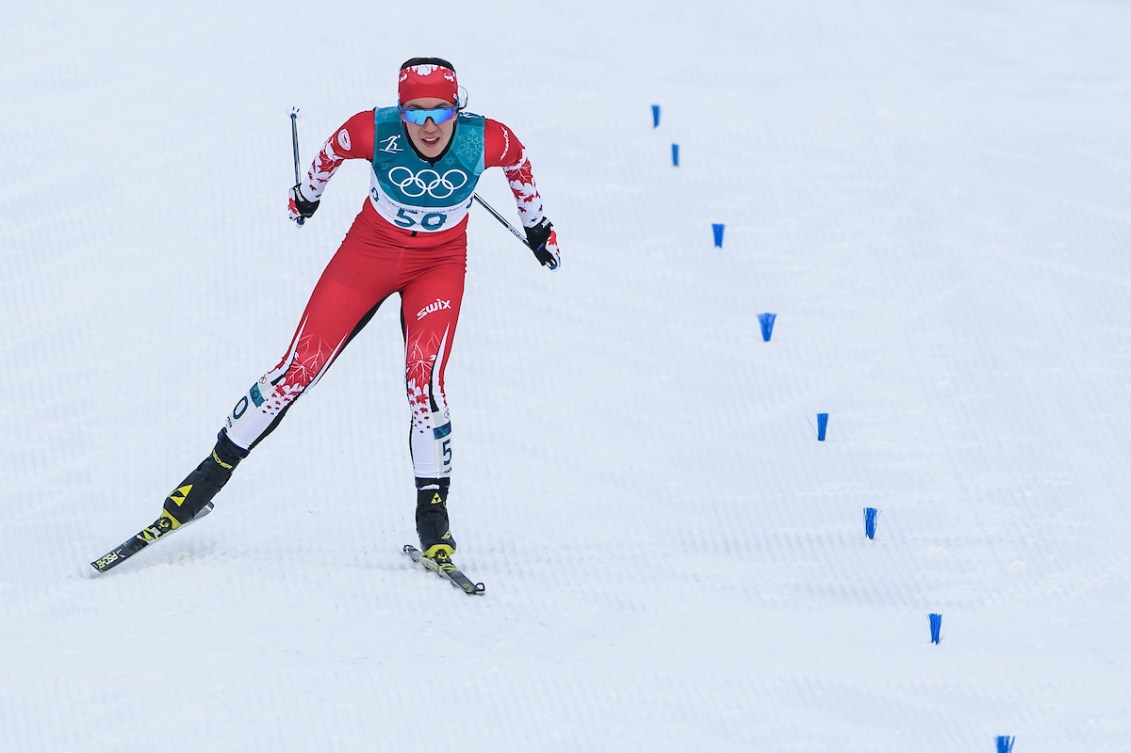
(376, 259)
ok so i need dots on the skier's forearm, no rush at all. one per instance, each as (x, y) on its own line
(321, 170)
(521, 180)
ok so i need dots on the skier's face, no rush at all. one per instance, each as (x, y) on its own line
(429, 139)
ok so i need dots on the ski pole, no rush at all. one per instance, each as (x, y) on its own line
(509, 226)
(501, 219)
(294, 141)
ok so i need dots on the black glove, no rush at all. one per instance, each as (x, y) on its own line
(543, 242)
(301, 209)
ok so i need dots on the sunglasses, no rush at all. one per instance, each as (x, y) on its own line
(438, 114)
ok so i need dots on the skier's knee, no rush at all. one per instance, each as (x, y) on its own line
(257, 411)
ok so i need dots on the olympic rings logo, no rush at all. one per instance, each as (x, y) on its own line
(427, 181)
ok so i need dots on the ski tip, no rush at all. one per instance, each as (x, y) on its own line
(100, 566)
(469, 588)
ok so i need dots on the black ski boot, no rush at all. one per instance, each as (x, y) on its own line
(193, 497)
(432, 519)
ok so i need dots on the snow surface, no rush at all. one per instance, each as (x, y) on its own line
(932, 196)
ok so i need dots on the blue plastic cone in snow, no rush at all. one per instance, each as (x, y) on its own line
(870, 522)
(936, 627)
(767, 322)
(675, 155)
(717, 229)
(655, 116)
(822, 425)
(1004, 744)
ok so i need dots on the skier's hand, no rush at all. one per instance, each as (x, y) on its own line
(544, 243)
(299, 208)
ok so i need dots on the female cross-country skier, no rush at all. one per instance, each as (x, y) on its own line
(410, 238)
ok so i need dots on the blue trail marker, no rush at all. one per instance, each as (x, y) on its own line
(870, 522)
(655, 116)
(675, 155)
(1004, 744)
(822, 425)
(717, 229)
(767, 322)
(936, 627)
